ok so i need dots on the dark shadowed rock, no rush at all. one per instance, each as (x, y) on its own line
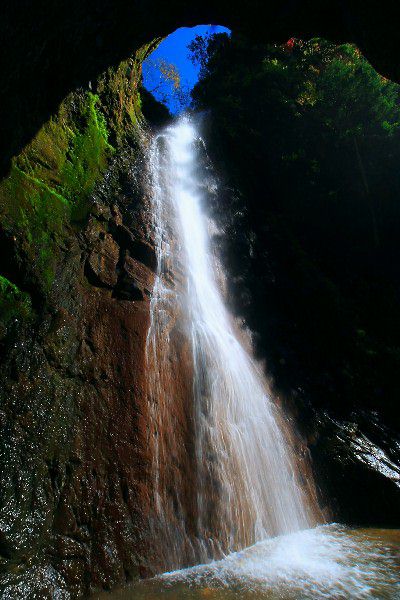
(135, 281)
(102, 261)
(357, 465)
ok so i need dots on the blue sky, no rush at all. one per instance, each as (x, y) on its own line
(174, 50)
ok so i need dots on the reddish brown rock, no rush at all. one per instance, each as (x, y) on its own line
(136, 280)
(103, 259)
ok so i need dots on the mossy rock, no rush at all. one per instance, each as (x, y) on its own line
(14, 304)
(48, 194)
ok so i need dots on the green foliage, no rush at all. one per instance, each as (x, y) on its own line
(313, 80)
(309, 133)
(166, 84)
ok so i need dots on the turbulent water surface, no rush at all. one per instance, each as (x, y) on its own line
(235, 498)
(328, 561)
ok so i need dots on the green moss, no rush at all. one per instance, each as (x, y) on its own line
(86, 159)
(13, 302)
(35, 214)
(48, 193)
(42, 186)
(50, 184)
(120, 92)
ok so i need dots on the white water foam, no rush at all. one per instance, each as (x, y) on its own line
(328, 561)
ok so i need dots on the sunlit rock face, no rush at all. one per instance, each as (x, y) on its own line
(49, 52)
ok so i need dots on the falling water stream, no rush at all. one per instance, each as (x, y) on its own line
(230, 494)
(242, 460)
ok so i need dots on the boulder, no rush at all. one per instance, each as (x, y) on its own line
(102, 262)
(135, 282)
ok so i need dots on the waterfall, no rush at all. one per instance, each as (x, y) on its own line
(223, 468)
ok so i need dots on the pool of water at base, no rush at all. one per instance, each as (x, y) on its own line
(329, 561)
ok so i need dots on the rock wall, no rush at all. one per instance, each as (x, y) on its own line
(75, 289)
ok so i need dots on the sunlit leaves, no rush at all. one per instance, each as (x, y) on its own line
(165, 82)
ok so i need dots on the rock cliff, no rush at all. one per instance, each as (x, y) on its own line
(75, 289)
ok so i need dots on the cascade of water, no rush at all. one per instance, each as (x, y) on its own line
(241, 465)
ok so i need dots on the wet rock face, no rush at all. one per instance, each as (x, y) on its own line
(126, 267)
(136, 280)
(357, 461)
(73, 442)
(102, 261)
